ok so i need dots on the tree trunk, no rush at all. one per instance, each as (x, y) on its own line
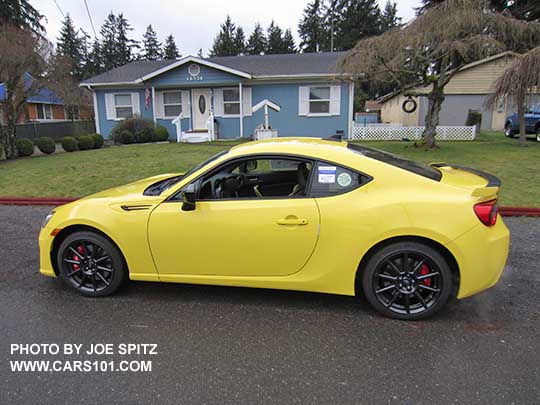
(435, 100)
(521, 118)
(7, 139)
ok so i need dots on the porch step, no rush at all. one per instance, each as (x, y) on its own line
(196, 136)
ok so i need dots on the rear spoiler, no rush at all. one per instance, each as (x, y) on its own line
(493, 181)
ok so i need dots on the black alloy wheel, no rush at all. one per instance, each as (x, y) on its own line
(407, 280)
(91, 264)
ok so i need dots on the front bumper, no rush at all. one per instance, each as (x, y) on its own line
(45, 247)
(481, 254)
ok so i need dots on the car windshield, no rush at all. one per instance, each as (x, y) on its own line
(162, 185)
(409, 165)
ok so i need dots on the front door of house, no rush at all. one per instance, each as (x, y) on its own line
(201, 100)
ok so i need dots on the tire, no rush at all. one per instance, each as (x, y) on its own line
(538, 133)
(90, 264)
(508, 130)
(407, 295)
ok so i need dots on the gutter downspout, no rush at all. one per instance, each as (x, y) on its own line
(241, 110)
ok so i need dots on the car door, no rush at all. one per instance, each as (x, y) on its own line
(244, 236)
(531, 117)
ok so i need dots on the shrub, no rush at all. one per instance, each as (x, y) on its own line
(160, 134)
(144, 136)
(25, 147)
(126, 137)
(474, 118)
(1, 152)
(86, 142)
(69, 144)
(98, 140)
(46, 145)
(135, 125)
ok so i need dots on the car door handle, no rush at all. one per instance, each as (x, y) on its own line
(292, 221)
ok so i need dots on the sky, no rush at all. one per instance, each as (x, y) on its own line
(193, 23)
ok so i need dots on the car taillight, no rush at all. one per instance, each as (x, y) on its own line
(487, 212)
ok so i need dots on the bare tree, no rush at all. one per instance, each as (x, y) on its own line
(431, 49)
(22, 63)
(516, 83)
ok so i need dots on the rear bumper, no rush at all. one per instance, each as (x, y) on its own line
(481, 254)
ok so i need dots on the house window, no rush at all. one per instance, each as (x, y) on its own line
(172, 103)
(319, 100)
(44, 111)
(72, 113)
(123, 106)
(231, 102)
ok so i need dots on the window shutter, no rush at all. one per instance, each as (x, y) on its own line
(303, 100)
(335, 100)
(218, 102)
(246, 101)
(109, 106)
(186, 109)
(136, 104)
(158, 102)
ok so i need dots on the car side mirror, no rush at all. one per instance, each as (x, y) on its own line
(189, 195)
(251, 165)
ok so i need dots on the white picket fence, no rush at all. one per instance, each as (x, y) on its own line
(398, 133)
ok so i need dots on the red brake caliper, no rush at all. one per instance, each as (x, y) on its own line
(80, 249)
(423, 271)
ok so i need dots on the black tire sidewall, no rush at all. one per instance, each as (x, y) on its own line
(368, 273)
(508, 131)
(119, 273)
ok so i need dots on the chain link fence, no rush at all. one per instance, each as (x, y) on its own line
(55, 130)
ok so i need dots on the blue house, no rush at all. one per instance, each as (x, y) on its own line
(213, 98)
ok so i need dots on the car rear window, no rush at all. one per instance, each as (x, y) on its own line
(405, 164)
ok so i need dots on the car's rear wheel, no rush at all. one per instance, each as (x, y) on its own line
(407, 280)
(90, 264)
(508, 131)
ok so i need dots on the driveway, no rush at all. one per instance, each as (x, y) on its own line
(232, 345)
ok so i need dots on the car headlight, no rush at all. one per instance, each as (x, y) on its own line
(47, 219)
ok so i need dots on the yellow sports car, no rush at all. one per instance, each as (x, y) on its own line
(296, 214)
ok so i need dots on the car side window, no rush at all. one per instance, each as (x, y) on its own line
(258, 178)
(329, 179)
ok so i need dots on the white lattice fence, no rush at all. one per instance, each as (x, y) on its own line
(393, 133)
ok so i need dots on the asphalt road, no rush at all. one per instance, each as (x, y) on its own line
(231, 345)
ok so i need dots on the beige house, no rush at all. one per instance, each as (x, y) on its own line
(466, 91)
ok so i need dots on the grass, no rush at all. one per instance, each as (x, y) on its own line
(82, 173)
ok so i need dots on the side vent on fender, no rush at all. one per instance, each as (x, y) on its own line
(135, 207)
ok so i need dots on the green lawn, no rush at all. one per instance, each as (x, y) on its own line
(82, 173)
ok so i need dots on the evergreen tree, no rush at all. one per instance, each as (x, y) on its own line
(353, 21)
(240, 41)
(170, 50)
(107, 47)
(94, 62)
(224, 43)
(123, 45)
(312, 29)
(389, 17)
(275, 42)
(256, 44)
(151, 45)
(288, 40)
(71, 45)
(21, 14)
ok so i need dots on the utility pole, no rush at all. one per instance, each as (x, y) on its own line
(332, 3)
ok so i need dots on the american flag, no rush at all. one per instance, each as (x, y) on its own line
(147, 98)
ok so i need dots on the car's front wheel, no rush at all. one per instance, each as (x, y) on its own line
(407, 280)
(508, 130)
(538, 133)
(91, 264)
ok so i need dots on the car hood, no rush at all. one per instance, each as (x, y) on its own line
(131, 190)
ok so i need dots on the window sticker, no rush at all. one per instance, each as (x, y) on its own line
(327, 174)
(344, 179)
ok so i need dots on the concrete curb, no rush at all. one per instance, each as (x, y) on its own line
(54, 201)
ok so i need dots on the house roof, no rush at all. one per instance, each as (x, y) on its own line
(43, 95)
(383, 99)
(249, 66)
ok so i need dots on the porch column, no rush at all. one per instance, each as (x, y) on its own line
(241, 110)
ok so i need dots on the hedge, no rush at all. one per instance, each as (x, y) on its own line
(86, 142)
(46, 145)
(25, 147)
(69, 144)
